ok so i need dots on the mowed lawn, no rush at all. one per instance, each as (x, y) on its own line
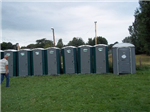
(89, 93)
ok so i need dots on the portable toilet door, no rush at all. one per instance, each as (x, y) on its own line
(12, 61)
(24, 62)
(100, 52)
(2, 54)
(69, 54)
(85, 59)
(124, 58)
(38, 61)
(53, 61)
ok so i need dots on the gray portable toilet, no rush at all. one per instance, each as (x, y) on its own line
(100, 52)
(2, 54)
(124, 58)
(12, 61)
(38, 61)
(24, 62)
(53, 61)
(85, 59)
(69, 54)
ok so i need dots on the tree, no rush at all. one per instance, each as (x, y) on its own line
(6, 45)
(76, 42)
(90, 42)
(43, 43)
(60, 43)
(100, 40)
(23, 47)
(111, 45)
(140, 28)
(31, 46)
(127, 39)
(133, 30)
(144, 26)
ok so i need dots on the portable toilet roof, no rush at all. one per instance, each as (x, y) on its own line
(38, 49)
(25, 49)
(11, 50)
(100, 45)
(85, 46)
(123, 45)
(52, 47)
(69, 46)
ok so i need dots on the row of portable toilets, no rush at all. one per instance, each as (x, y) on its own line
(84, 59)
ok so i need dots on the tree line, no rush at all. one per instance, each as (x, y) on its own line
(44, 43)
(76, 41)
(8, 45)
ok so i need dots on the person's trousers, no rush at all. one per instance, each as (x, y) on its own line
(7, 78)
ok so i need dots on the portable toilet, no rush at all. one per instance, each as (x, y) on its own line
(2, 54)
(85, 59)
(53, 61)
(123, 58)
(69, 54)
(12, 61)
(38, 61)
(100, 52)
(24, 62)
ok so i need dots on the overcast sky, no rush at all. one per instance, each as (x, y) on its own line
(25, 22)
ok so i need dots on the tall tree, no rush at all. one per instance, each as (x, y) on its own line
(60, 43)
(144, 25)
(140, 28)
(76, 42)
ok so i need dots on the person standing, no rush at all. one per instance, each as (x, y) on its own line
(4, 70)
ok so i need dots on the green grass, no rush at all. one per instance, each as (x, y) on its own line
(89, 93)
(93, 92)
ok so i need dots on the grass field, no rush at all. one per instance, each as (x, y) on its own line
(145, 60)
(89, 93)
